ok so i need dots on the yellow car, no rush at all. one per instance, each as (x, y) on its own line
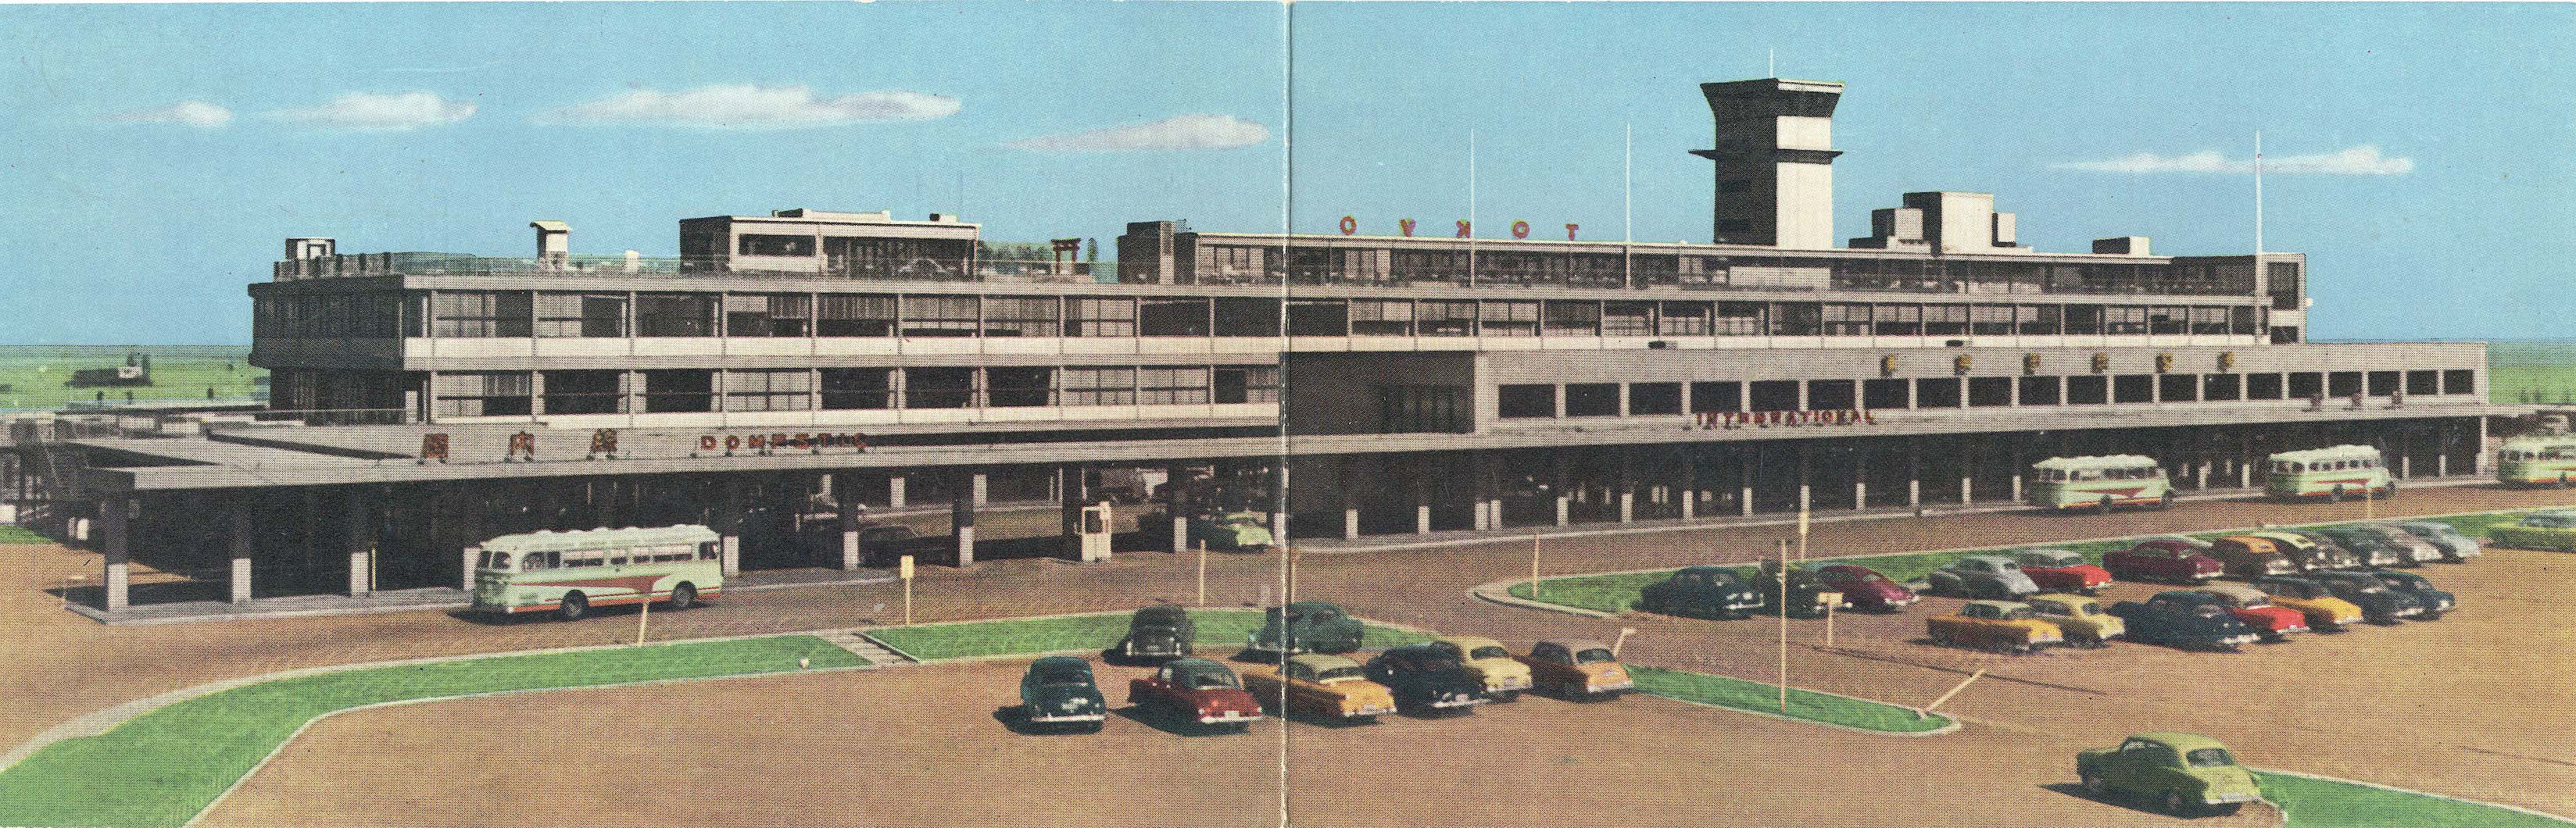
(2325, 612)
(2003, 626)
(1485, 658)
(2080, 618)
(1319, 686)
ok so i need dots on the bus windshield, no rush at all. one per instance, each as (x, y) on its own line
(496, 560)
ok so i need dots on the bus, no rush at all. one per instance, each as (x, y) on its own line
(2333, 472)
(568, 573)
(2537, 461)
(2099, 483)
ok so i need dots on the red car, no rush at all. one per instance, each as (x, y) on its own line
(2254, 608)
(1198, 691)
(1865, 589)
(2058, 570)
(2175, 560)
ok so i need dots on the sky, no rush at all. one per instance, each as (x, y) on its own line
(158, 154)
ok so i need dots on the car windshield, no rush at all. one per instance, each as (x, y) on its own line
(2208, 610)
(1208, 681)
(1338, 673)
(1489, 652)
(1065, 679)
(2211, 758)
(1865, 576)
(1593, 656)
(2017, 614)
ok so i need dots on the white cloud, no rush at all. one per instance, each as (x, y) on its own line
(198, 114)
(748, 106)
(1186, 132)
(2364, 159)
(372, 111)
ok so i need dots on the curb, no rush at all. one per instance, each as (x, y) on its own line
(1952, 727)
(2376, 786)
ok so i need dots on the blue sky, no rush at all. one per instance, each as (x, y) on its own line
(157, 154)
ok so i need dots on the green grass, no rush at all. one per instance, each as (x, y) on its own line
(21, 534)
(2315, 803)
(1759, 697)
(35, 374)
(163, 767)
(1218, 631)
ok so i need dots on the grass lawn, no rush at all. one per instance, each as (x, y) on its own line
(1765, 698)
(35, 374)
(21, 534)
(1220, 631)
(162, 768)
(2314, 803)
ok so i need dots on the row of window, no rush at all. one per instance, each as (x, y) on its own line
(513, 393)
(1603, 399)
(507, 314)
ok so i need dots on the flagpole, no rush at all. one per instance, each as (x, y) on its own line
(1471, 208)
(2258, 192)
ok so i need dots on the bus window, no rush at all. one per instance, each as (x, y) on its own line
(496, 560)
(706, 551)
(535, 561)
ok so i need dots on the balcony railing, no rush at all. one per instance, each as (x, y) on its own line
(353, 265)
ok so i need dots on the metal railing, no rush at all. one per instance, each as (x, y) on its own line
(357, 265)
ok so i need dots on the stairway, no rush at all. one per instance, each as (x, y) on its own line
(859, 644)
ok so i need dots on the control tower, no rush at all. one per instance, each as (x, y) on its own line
(1775, 161)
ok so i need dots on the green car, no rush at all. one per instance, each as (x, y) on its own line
(2186, 774)
(1307, 627)
(1232, 531)
(2554, 531)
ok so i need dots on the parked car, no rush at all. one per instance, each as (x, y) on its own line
(2372, 548)
(1307, 627)
(1504, 677)
(2456, 547)
(2312, 554)
(1863, 588)
(2324, 611)
(1425, 678)
(1196, 691)
(2059, 570)
(2378, 603)
(1058, 691)
(2555, 531)
(1576, 670)
(1232, 531)
(1983, 576)
(1806, 590)
(2250, 557)
(2436, 602)
(2255, 608)
(2171, 560)
(2185, 620)
(2412, 550)
(2186, 774)
(1159, 631)
(1321, 686)
(883, 545)
(1701, 592)
(2003, 626)
(2081, 619)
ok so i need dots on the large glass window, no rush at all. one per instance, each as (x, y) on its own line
(1796, 319)
(854, 316)
(1172, 386)
(581, 315)
(1505, 318)
(1246, 384)
(482, 394)
(1654, 398)
(1573, 318)
(1843, 319)
(2263, 386)
(2088, 389)
(938, 387)
(2133, 388)
(939, 316)
(1172, 317)
(1022, 316)
(1682, 319)
(2083, 320)
(584, 392)
(1019, 387)
(2168, 319)
(675, 314)
(1990, 320)
(858, 388)
(2039, 390)
(1886, 393)
(2459, 381)
(1374, 317)
(1526, 401)
(1102, 317)
(2038, 320)
(1437, 318)
(1099, 386)
(1592, 399)
(1319, 318)
(684, 390)
(1897, 320)
(774, 245)
(2124, 320)
(788, 389)
(1247, 316)
(1628, 319)
(1739, 319)
(475, 314)
(767, 315)
(2209, 321)
(2245, 320)
(1832, 395)
(1945, 320)
(1708, 397)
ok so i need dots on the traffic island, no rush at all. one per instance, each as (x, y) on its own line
(1804, 705)
(2308, 801)
(164, 767)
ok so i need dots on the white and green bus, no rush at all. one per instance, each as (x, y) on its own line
(2099, 483)
(567, 573)
(2333, 472)
(2537, 461)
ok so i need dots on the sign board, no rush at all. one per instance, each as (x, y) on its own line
(904, 569)
(1829, 599)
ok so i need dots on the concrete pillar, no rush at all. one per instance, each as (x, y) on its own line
(1806, 468)
(729, 525)
(1967, 489)
(2442, 464)
(894, 492)
(1744, 497)
(2017, 469)
(1073, 492)
(1421, 506)
(1627, 485)
(2480, 467)
(961, 518)
(115, 537)
(2244, 462)
(1914, 474)
(469, 526)
(845, 498)
(361, 541)
(240, 580)
(1481, 474)
(1860, 479)
(1279, 504)
(1350, 522)
(1561, 486)
(980, 488)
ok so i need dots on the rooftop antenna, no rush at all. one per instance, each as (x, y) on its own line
(1628, 187)
(2258, 192)
(1773, 66)
(1471, 208)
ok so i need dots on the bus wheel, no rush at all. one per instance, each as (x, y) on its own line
(2164, 502)
(2105, 506)
(2562, 480)
(2337, 494)
(684, 596)
(574, 606)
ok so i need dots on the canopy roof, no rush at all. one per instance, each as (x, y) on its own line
(2540, 441)
(2343, 452)
(628, 537)
(2108, 461)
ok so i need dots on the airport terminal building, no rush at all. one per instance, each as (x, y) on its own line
(787, 369)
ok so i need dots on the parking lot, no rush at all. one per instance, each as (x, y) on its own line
(2446, 707)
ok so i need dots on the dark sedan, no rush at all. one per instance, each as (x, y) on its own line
(2435, 601)
(2183, 619)
(1058, 692)
(1159, 631)
(1427, 679)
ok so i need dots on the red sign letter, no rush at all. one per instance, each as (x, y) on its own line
(1462, 228)
(1520, 229)
(1569, 231)
(1350, 225)
(1405, 225)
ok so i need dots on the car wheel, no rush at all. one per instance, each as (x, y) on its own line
(684, 596)
(2164, 502)
(574, 606)
(2103, 507)
(2429, 616)
(2093, 785)
(1094, 727)
(1508, 696)
(2174, 804)
(2562, 481)
(2336, 495)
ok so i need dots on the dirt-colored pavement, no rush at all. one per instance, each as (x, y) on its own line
(2462, 706)
(919, 746)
